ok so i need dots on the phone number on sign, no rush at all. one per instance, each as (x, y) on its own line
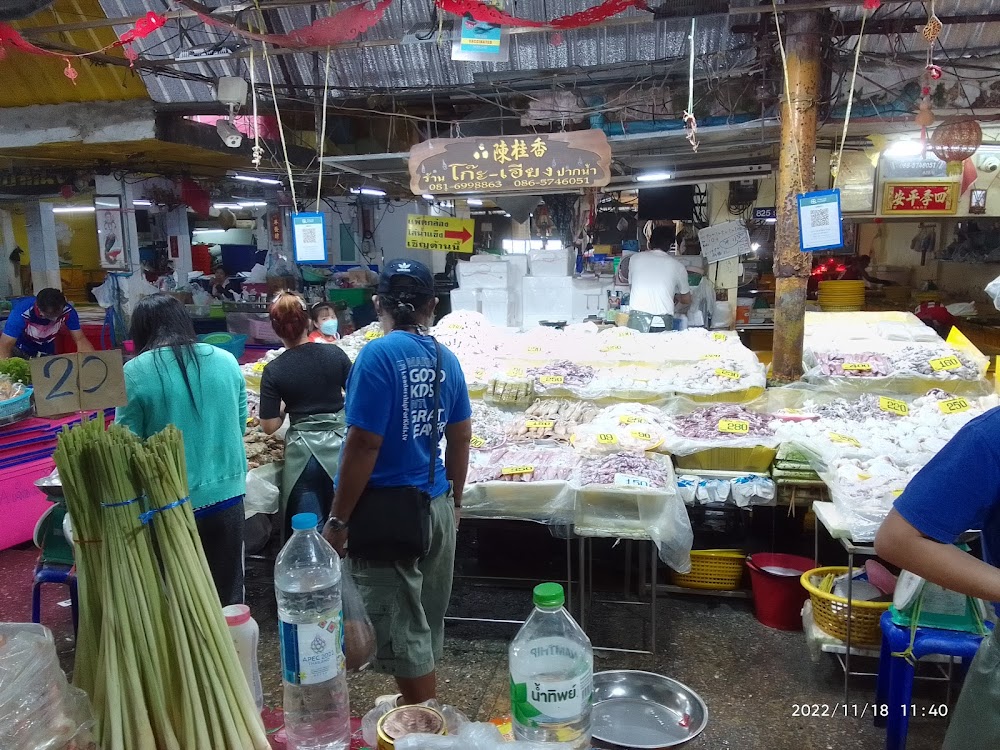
(859, 710)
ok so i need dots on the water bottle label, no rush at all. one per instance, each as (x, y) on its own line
(312, 653)
(541, 702)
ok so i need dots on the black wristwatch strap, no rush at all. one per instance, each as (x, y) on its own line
(336, 524)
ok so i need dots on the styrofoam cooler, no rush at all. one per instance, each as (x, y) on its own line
(465, 299)
(551, 262)
(497, 306)
(485, 275)
(546, 298)
(590, 297)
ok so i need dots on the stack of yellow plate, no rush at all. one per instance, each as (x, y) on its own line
(841, 296)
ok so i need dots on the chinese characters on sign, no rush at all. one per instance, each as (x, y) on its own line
(530, 162)
(920, 199)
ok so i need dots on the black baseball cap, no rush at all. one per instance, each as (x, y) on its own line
(422, 281)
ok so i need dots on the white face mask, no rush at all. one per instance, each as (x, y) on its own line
(329, 327)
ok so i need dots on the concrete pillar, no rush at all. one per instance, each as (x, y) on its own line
(42, 245)
(796, 175)
(175, 227)
(10, 282)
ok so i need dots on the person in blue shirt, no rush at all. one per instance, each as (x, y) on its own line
(35, 322)
(958, 490)
(389, 412)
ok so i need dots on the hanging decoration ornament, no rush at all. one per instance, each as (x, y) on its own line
(11, 37)
(690, 123)
(872, 4)
(143, 28)
(925, 116)
(932, 29)
(489, 14)
(956, 139)
(70, 72)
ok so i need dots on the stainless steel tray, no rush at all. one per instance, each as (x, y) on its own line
(645, 711)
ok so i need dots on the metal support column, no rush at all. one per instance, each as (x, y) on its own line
(796, 175)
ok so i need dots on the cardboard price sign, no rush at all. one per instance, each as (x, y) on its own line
(85, 381)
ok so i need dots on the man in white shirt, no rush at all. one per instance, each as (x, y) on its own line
(658, 282)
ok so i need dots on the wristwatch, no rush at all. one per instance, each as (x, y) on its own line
(336, 524)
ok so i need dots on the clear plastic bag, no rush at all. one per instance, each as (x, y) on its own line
(39, 710)
(263, 489)
(359, 633)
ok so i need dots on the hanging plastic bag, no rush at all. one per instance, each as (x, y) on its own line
(105, 293)
(359, 633)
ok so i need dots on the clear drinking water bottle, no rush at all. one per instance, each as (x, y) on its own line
(310, 630)
(551, 674)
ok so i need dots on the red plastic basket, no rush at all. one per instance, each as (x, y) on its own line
(778, 598)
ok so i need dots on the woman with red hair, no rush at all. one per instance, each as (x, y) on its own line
(305, 383)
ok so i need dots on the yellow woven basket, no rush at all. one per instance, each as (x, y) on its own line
(713, 570)
(830, 611)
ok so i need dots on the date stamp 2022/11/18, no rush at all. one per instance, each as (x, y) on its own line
(871, 710)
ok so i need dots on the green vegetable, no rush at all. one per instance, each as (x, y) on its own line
(17, 369)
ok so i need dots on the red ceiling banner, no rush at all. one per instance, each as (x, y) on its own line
(489, 14)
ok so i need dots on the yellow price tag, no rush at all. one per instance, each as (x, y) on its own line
(896, 493)
(477, 442)
(734, 426)
(712, 356)
(629, 419)
(953, 406)
(730, 374)
(534, 349)
(606, 438)
(639, 435)
(893, 406)
(552, 380)
(515, 372)
(864, 477)
(945, 363)
(480, 374)
(856, 367)
(539, 424)
(526, 469)
(370, 335)
(613, 348)
(455, 326)
(259, 366)
(836, 437)
(719, 337)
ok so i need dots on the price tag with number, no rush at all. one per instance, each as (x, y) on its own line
(78, 382)
(893, 406)
(455, 326)
(606, 438)
(630, 419)
(712, 356)
(953, 406)
(836, 437)
(630, 480)
(258, 367)
(734, 426)
(539, 424)
(477, 442)
(480, 374)
(613, 348)
(896, 493)
(641, 435)
(372, 335)
(728, 374)
(856, 367)
(552, 379)
(526, 469)
(515, 372)
(945, 363)
(719, 337)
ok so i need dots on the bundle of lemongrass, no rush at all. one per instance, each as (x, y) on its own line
(164, 674)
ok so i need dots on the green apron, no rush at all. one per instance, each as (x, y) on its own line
(975, 720)
(319, 435)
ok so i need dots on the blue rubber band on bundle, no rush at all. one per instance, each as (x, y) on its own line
(122, 503)
(148, 515)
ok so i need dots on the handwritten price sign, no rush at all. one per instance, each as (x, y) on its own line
(78, 382)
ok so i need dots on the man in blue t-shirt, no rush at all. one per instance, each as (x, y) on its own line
(391, 441)
(958, 490)
(34, 323)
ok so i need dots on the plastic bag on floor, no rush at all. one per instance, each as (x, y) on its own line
(263, 489)
(359, 634)
(39, 710)
(454, 718)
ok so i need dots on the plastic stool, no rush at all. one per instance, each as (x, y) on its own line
(895, 674)
(53, 573)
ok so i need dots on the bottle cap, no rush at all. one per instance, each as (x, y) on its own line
(236, 614)
(303, 521)
(549, 595)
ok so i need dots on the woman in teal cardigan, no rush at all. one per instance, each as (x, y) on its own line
(198, 388)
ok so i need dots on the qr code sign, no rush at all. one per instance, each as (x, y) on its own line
(309, 235)
(821, 217)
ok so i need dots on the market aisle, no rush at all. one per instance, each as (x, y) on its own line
(750, 676)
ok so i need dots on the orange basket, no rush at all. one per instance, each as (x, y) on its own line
(712, 570)
(830, 611)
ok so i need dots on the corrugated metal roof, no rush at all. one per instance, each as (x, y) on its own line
(35, 79)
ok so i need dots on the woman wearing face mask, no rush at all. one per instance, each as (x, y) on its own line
(325, 323)
(306, 384)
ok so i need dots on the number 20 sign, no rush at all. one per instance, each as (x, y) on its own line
(78, 382)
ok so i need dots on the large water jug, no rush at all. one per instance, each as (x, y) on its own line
(310, 631)
(551, 674)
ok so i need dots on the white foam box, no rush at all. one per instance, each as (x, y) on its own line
(551, 262)
(485, 275)
(497, 306)
(590, 297)
(465, 299)
(546, 298)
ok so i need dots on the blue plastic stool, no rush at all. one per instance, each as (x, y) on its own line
(53, 573)
(895, 674)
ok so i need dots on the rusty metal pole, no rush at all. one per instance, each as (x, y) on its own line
(796, 174)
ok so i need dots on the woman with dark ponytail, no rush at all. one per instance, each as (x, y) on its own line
(390, 457)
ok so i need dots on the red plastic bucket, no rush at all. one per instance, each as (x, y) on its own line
(777, 593)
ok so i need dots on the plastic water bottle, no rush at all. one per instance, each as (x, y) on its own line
(310, 631)
(245, 634)
(551, 674)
